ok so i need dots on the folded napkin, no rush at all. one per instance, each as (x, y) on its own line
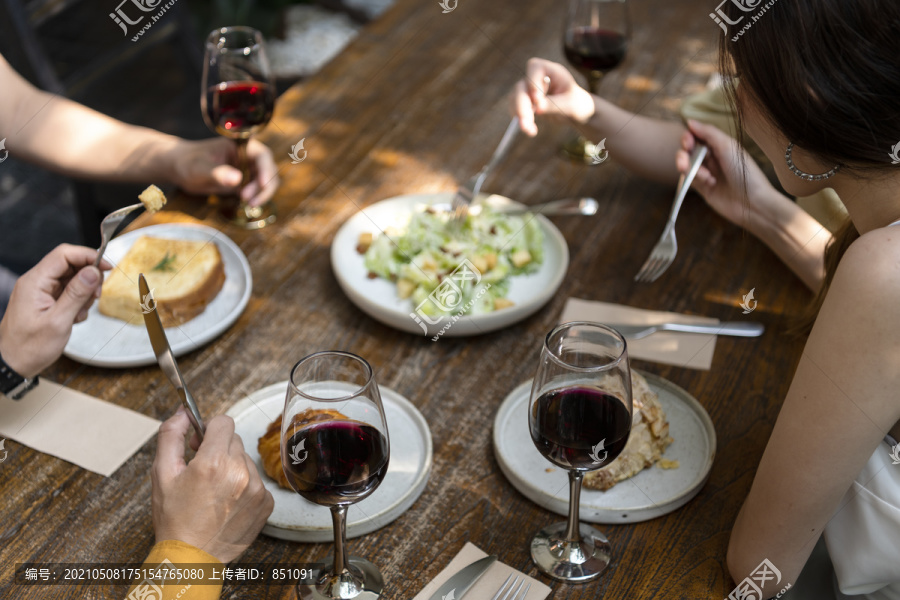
(490, 582)
(93, 434)
(688, 350)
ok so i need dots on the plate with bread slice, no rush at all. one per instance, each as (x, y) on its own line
(257, 419)
(665, 463)
(200, 283)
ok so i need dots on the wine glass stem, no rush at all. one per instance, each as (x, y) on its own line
(593, 81)
(339, 521)
(242, 163)
(572, 532)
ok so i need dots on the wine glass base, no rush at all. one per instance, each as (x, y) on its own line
(568, 561)
(365, 583)
(581, 150)
(242, 215)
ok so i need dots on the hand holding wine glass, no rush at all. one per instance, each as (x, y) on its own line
(335, 452)
(579, 416)
(237, 100)
(595, 41)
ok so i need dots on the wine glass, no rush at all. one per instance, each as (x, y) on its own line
(237, 98)
(595, 41)
(335, 452)
(579, 415)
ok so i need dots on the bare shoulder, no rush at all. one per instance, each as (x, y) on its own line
(870, 269)
(855, 336)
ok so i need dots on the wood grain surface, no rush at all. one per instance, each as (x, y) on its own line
(417, 103)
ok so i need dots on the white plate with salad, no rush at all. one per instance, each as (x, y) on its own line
(404, 265)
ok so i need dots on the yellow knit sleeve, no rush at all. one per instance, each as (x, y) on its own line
(171, 554)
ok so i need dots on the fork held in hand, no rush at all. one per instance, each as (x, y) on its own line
(109, 225)
(667, 247)
(468, 192)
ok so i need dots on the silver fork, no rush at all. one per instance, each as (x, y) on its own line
(469, 191)
(667, 247)
(515, 595)
(109, 225)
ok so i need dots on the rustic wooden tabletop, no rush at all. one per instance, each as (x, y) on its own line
(415, 104)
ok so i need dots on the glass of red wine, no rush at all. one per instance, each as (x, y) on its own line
(335, 452)
(237, 98)
(595, 42)
(579, 416)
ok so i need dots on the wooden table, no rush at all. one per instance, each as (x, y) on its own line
(417, 103)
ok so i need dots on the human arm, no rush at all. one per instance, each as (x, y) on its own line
(840, 404)
(206, 512)
(643, 145)
(217, 502)
(45, 303)
(797, 238)
(64, 136)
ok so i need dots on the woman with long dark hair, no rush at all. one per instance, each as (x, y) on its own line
(816, 84)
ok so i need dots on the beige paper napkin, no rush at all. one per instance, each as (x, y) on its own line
(93, 434)
(688, 350)
(490, 582)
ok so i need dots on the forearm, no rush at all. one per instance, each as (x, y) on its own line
(643, 145)
(791, 233)
(67, 137)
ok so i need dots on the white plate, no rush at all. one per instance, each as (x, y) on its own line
(107, 342)
(378, 297)
(299, 520)
(651, 493)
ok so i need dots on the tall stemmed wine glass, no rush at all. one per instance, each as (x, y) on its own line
(579, 415)
(237, 98)
(595, 42)
(335, 452)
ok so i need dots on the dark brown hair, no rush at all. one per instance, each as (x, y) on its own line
(826, 74)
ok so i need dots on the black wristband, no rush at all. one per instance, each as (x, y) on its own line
(12, 384)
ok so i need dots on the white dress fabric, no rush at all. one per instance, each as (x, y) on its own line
(863, 537)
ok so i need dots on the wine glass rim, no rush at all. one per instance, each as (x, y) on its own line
(252, 32)
(570, 324)
(367, 368)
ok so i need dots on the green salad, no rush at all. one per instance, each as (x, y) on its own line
(451, 270)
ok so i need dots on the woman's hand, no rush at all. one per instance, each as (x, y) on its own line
(724, 179)
(45, 303)
(207, 167)
(217, 502)
(549, 89)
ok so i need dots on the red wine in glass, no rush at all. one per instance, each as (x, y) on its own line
(579, 427)
(336, 462)
(595, 50)
(579, 418)
(238, 109)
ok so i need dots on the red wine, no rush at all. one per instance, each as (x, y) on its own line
(568, 426)
(238, 109)
(591, 49)
(335, 462)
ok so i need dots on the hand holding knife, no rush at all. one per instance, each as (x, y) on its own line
(165, 357)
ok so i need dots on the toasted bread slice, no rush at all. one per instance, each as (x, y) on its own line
(183, 275)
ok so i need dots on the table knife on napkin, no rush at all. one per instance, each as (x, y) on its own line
(461, 581)
(165, 357)
(734, 328)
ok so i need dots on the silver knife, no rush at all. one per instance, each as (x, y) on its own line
(734, 328)
(462, 580)
(164, 355)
